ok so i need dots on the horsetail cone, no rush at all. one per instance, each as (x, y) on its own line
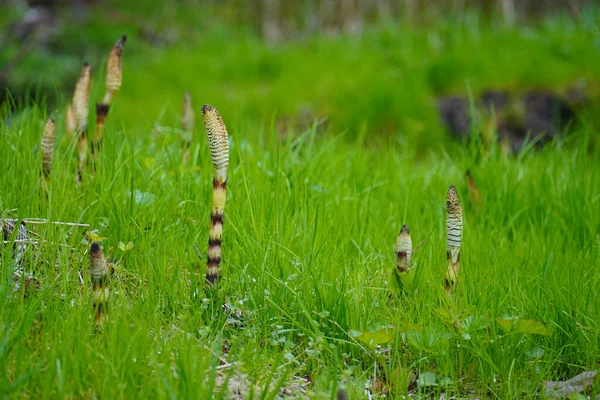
(453, 237)
(403, 250)
(114, 70)
(81, 97)
(219, 151)
(114, 79)
(48, 147)
(99, 275)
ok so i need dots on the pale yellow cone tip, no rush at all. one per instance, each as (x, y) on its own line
(188, 118)
(81, 97)
(217, 139)
(114, 71)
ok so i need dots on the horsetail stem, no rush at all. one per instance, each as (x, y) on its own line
(99, 275)
(81, 97)
(188, 120)
(48, 148)
(403, 250)
(114, 79)
(219, 151)
(453, 238)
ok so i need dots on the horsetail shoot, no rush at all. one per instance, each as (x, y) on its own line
(114, 80)
(219, 153)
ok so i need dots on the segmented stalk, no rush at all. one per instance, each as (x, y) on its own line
(219, 151)
(114, 78)
(187, 123)
(99, 275)
(48, 148)
(403, 250)
(81, 97)
(453, 238)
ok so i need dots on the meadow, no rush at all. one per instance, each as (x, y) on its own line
(307, 305)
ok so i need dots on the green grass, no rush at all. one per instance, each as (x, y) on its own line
(310, 226)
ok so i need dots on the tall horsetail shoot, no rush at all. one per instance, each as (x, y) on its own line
(219, 152)
(114, 79)
(454, 223)
(80, 108)
(99, 278)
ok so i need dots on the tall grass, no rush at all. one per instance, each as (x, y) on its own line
(312, 221)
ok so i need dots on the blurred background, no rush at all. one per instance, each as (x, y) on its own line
(415, 72)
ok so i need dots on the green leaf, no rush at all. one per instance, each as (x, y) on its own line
(427, 379)
(143, 198)
(506, 324)
(535, 353)
(95, 236)
(518, 325)
(380, 336)
(407, 326)
(125, 247)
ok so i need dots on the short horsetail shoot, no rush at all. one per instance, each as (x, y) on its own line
(99, 275)
(219, 151)
(81, 97)
(48, 149)
(453, 238)
(403, 275)
(403, 250)
(114, 79)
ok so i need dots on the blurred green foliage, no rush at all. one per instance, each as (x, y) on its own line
(386, 78)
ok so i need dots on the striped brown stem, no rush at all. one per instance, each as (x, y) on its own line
(453, 238)
(403, 250)
(80, 110)
(114, 79)
(219, 151)
(99, 276)
(188, 119)
(101, 114)
(48, 149)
